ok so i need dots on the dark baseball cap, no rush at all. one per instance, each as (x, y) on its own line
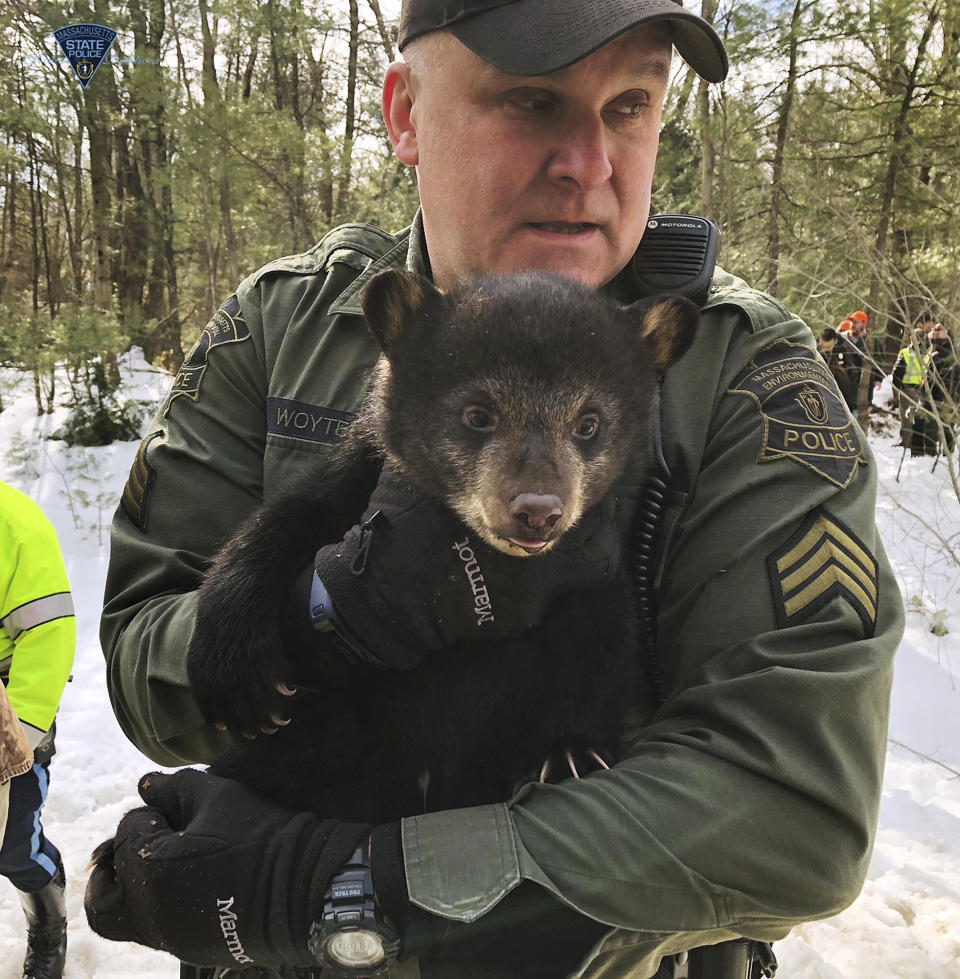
(536, 37)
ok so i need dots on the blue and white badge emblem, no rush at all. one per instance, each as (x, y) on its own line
(804, 417)
(85, 45)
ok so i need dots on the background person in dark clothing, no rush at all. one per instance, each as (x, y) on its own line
(836, 354)
(940, 397)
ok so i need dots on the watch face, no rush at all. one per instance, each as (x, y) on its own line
(358, 949)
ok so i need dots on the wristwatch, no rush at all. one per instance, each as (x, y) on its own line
(352, 938)
(324, 618)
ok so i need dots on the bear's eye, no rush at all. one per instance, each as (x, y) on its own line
(586, 427)
(479, 419)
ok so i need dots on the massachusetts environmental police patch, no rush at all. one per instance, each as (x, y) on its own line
(804, 416)
(225, 326)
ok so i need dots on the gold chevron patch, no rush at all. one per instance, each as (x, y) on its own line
(136, 493)
(822, 560)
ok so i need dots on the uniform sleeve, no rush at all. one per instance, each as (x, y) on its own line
(196, 476)
(38, 618)
(750, 801)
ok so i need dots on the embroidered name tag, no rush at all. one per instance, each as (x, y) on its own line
(804, 416)
(314, 423)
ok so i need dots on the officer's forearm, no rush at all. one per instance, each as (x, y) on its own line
(148, 686)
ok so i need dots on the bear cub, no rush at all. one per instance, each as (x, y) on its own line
(481, 395)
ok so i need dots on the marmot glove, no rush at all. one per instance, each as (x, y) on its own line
(214, 874)
(412, 578)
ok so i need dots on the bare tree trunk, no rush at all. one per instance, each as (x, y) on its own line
(213, 100)
(162, 345)
(38, 216)
(74, 247)
(346, 154)
(776, 184)
(389, 43)
(709, 153)
(98, 139)
(895, 167)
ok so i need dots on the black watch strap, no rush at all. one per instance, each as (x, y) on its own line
(352, 937)
(324, 618)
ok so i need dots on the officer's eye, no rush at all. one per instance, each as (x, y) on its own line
(586, 427)
(479, 419)
(531, 100)
(631, 104)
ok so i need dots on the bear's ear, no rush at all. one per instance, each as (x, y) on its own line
(392, 301)
(668, 324)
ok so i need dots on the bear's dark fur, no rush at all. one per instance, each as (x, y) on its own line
(471, 723)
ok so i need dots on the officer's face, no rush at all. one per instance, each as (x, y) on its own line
(551, 172)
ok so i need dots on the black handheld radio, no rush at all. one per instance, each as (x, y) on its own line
(677, 255)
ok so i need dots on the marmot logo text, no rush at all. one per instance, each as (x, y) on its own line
(471, 567)
(228, 925)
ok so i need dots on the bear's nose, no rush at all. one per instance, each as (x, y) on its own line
(536, 511)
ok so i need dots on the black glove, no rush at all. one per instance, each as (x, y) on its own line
(411, 578)
(214, 874)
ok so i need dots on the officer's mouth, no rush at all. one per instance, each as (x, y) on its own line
(568, 229)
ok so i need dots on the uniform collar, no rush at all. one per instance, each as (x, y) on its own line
(409, 252)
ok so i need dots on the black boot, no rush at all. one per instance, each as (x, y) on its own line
(46, 929)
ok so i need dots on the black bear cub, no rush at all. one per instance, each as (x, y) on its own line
(478, 393)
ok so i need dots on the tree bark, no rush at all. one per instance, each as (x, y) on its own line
(346, 155)
(895, 167)
(776, 183)
(708, 149)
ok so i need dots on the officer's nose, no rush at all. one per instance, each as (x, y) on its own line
(582, 155)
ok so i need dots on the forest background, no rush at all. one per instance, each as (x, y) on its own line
(220, 134)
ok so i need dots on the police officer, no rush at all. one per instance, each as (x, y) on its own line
(745, 798)
(37, 644)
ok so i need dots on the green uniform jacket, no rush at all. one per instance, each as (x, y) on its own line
(38, 631)
(748, 801)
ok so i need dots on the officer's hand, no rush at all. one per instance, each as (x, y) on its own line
(214, 874)
(412, 578)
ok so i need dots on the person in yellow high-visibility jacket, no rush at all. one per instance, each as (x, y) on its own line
(909, 373)
(37, 644)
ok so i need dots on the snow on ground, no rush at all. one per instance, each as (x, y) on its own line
(906, 923)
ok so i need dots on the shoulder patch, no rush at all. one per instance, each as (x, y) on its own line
(823, 559)
(136, 494)
(227, 325)
(804, 416)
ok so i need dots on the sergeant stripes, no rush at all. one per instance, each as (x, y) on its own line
(822, 560)
(39, 611)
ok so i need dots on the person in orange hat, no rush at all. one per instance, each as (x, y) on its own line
(853, 331)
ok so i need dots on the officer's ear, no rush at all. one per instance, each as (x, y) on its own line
(668, 325)
(393, 302)
(397, 105)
